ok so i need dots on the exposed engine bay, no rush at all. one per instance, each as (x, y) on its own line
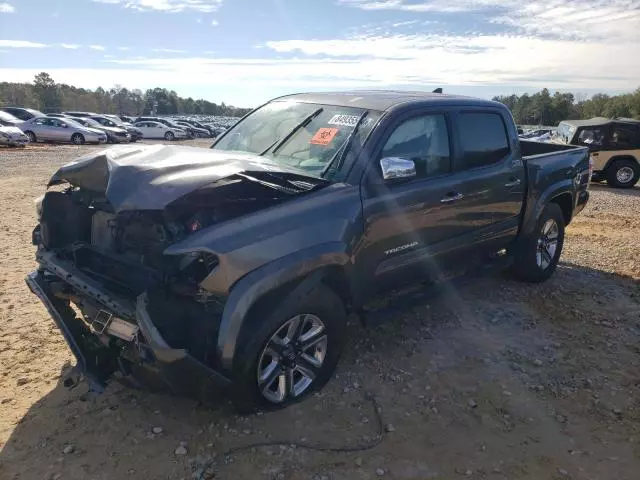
(103, 257)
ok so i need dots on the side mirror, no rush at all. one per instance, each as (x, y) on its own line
(65, 125)
(397, 168)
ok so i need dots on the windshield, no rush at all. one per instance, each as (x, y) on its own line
(306, 136)
(115, 119)
(564, 132)
(8, 118)
(89, 122)
(72, 122)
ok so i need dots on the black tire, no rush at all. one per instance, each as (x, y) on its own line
(77, 139)
(323, 304)
(529, 260)
(31, 135)
(623, 173)
(169, 136)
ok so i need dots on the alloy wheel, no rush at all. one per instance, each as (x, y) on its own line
(547, 244)
(292, 358)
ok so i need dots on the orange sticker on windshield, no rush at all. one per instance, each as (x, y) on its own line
(324, 136)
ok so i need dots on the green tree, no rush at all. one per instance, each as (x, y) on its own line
(46, 92)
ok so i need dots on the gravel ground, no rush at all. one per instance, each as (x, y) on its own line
(494, 380)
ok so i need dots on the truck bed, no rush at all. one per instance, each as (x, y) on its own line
(530, 149)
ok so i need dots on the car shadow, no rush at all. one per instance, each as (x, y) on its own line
(423, 366)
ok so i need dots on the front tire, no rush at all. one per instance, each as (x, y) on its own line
(169, 136)
(291, 356)
(31, 135)
(77, 139)
(623, 174)
(537, 254)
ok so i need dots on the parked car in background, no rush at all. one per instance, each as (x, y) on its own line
(169, 123)
(197, 131)
(63, 130)
(195, 123)
(151, 129)
(23, 114)
(114, 134)
(79, 114)
(58, 115)
(237, 267)
(614, 146)
(113, 121)
(126, 119)
(10, 133)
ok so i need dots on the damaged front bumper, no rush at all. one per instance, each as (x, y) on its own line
(147, 361)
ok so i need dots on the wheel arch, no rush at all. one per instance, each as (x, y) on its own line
(561, 193)
(285, 280)
(565, 202)
(621, 157)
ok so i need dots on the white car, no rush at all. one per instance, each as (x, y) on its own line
(10, 134)
(159, 130)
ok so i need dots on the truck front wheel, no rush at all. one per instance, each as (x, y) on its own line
(293, 355)
(537, 255)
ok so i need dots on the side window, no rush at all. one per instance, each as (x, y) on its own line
(625, 137)
(591, 136)
(483, 139)
(425, 140)
(40, 121)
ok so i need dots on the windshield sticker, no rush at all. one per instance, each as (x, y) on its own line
(324, 136)
(345, 120)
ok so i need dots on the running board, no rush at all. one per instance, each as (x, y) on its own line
(419, 294)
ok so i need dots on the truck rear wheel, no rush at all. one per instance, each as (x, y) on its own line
(293, 355)
(537, 255)
(623, 173)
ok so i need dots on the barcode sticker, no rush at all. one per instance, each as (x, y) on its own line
(344, 120)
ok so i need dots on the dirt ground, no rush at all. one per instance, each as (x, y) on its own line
(494, 380)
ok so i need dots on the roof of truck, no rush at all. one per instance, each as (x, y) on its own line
(595, 121)
(383, 99)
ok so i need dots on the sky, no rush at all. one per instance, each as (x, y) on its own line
(244, 52)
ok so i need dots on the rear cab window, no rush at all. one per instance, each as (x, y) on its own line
(483, 139)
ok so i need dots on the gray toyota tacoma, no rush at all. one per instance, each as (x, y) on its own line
(233, 269)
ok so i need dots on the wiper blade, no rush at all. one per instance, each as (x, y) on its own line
(341, 152)
(303, 123)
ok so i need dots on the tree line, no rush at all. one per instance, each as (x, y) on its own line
(48, 96)
(542, 108)
(45, 94)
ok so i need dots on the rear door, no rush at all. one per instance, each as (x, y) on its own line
(489, 165)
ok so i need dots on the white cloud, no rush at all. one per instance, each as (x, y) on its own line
(588, 19)
(21, 44)
(124, 49)
(97, 47)
(6, 8)
(168, 50)
(69, 46)
(214, 23)
(172, 6)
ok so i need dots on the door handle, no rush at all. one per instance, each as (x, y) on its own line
(451, 197)
(513, 183)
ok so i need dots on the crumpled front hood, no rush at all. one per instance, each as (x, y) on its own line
(149, 177)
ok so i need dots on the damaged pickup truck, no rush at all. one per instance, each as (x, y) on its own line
(233, 269)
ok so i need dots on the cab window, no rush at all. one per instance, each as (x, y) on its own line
(425, 140)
